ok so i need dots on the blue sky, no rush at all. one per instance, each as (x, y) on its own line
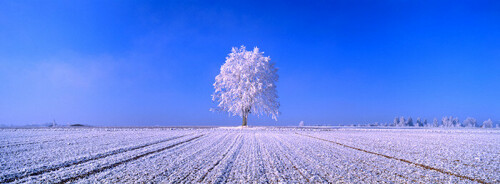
(142, 63)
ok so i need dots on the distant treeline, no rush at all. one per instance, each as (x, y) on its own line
(447, 121)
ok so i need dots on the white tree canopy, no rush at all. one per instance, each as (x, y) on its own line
(396, 121)
(470, 122)
(247, 84)
(435, 122)
(488, 124)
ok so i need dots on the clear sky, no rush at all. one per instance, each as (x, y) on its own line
(122, 63)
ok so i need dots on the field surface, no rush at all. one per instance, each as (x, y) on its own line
(249, 155)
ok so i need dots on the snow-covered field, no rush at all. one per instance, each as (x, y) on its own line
(249, 155)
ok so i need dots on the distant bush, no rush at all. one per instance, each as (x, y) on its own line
(76, 125)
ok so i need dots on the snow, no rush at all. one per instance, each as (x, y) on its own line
(249, 155)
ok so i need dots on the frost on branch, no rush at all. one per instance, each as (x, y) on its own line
(246, 84)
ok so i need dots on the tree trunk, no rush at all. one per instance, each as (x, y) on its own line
(244, 119)
(245, 113)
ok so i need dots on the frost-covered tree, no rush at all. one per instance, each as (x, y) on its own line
(425, 124)
(456, 122)
(402, 121)
(419, 122)
(435, 122)
(247, 84)
(301, 123)
(396, 121)
(444, 121)
(470, 122)
(447, 121)
(488, 124)
(409, 122)
(450, 121)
